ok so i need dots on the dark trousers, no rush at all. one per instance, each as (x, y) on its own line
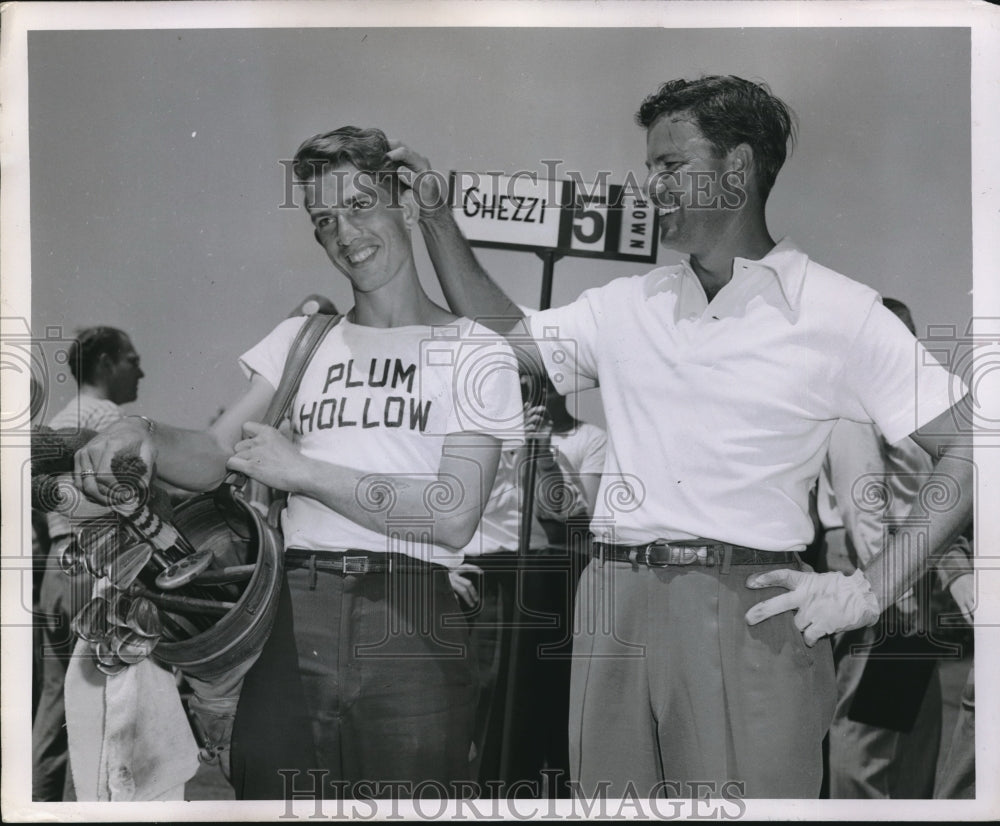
(61, 598)
(490, 624)
(368, 680)
(881, 761)
(522, 634)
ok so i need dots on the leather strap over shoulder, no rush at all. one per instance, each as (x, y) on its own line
(304, 345)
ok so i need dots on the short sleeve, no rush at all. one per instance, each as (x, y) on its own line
(593, 457)
(485, 387)
(267, 357)
(899, 385)
(567, 340)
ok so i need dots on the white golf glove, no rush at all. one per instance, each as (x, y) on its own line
(823, 603)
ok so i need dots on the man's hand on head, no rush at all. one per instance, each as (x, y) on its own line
(467, 287)
(430, 187)
(823, 603)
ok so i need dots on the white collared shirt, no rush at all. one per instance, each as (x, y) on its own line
(719, 413)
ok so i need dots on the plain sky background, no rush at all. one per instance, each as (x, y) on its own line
(156, 183)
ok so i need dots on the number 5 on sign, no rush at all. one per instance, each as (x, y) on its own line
(590, 222)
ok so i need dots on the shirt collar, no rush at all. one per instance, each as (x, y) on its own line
(786, 261)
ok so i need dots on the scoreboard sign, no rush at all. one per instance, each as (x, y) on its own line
(567, 217)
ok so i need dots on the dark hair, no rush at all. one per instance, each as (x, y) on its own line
(362, 148)
(729, 111)
(901, 311)
(88, 347)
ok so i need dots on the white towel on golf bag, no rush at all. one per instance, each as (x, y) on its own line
(129, 738)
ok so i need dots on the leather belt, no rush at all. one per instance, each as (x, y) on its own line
(706, 553)
(355, 561)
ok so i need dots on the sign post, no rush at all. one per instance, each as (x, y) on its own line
(553, 219)
(549, 258)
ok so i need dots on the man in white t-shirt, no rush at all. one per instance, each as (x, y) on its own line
(396, 429)
(721, 379)
(106, 368)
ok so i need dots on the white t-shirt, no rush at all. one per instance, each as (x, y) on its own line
(382, 401)
(719, 413)
(579, 451)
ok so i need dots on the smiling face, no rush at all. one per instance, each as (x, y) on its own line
(688, 182)
(366, 236)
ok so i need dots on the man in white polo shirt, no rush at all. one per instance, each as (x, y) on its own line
(721, 380)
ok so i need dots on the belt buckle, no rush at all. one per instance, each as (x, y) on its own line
(704, 555)
(355, 564)
(650, 563)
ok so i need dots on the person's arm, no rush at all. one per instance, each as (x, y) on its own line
(60, 520)
(830, 603)
(191, 459)
(382, 502)
(467, 287)
(956, 575)
(854, 455)
(963, 591)
(929, 531)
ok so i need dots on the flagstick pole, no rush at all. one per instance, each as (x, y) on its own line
(507, 750)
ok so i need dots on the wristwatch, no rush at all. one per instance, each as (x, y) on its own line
(150, 424)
